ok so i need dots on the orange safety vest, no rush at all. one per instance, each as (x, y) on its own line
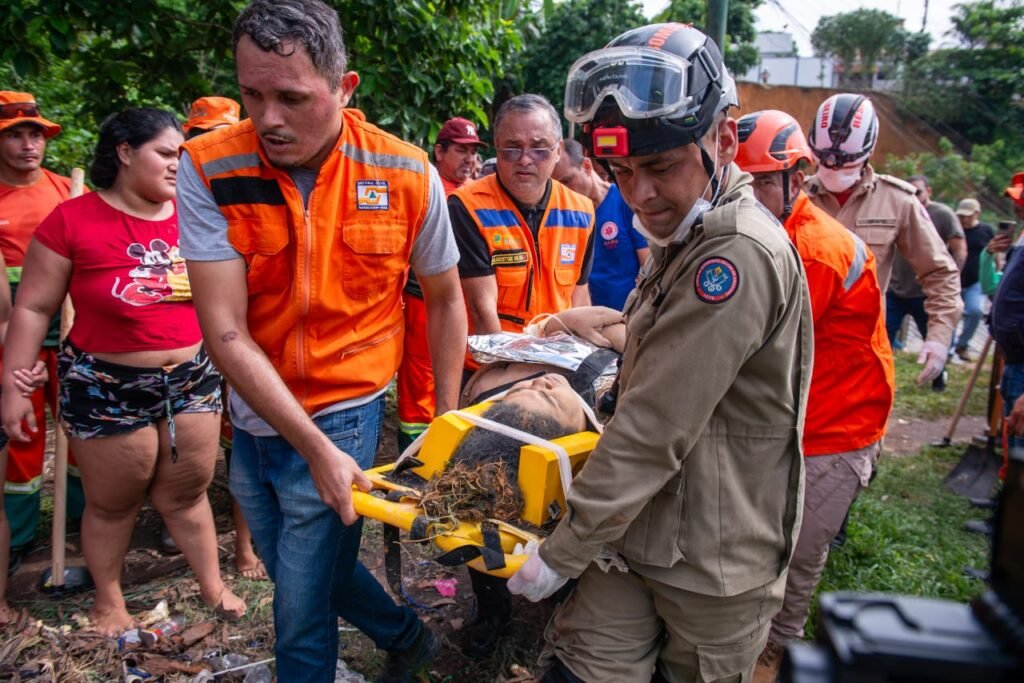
(532, 277)
(853, 381)
(325, 283)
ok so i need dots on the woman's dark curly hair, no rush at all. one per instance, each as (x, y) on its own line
(136, 126)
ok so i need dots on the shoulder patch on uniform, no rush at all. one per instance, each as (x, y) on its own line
(717, 280)
(897, 182)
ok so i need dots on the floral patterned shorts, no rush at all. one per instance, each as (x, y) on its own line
(99, 398)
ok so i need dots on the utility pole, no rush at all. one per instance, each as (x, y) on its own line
(924, 19)
(718, 10)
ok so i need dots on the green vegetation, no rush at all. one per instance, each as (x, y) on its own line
(906, 534)
(865, 42)
(914, 402)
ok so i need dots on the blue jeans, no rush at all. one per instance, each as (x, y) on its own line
(974, 311)
(310, 555)
(896, 307)
(1011, 386)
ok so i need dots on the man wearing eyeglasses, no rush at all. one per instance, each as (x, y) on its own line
(525, 241)
(883, 212)
(28, 193)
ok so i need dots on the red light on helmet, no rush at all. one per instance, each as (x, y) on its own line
(611, 142)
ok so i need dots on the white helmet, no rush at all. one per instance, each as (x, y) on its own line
(844, 131)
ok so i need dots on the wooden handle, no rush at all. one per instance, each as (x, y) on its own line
(60, 446)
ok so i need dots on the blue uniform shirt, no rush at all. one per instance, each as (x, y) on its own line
(615, 266)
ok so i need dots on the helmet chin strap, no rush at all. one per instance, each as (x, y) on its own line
(787, 201)
(710, 167)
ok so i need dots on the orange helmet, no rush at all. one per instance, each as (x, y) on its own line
(770, 140)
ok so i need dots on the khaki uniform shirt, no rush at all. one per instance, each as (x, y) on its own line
(697, 480)
(904, 282)
(884, 212)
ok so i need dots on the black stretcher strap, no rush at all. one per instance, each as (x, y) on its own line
(491, 551)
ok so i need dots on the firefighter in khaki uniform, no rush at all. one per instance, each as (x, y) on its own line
(884, 212)
(697, 481)
(847, 411)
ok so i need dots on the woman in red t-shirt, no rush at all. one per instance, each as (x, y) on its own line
(139, 398)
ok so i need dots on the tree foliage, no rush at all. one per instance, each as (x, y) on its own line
(740, 28)
(420, 61)
(974, 92)
(570, 30)
(865, 42)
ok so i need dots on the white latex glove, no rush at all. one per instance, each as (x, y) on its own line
(535, 580)
(933, 358)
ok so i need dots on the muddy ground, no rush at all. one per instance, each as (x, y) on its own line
(48, 642)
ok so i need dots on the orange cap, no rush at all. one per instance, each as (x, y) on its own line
(1016, 189)
(208, 113)
(20, 107)
(770, 140)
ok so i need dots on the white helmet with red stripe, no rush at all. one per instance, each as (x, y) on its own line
(844, 131)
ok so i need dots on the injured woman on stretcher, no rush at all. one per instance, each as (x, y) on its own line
(545, 383)
(542, 389)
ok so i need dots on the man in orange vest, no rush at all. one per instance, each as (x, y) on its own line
(852, 384)
(28, 193)
(299, 224)
(525, 241)
(454, 154)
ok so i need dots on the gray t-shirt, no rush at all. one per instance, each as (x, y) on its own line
(203, 236)
(904, 282)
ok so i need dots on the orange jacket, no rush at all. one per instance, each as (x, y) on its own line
(324, 284)
(853, 382)
(532, 278)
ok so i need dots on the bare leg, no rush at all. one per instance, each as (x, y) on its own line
(5, 545)
(116, 471)
(179, 494)
(246, 561)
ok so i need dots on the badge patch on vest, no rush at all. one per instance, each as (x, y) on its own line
(509, 258)
(717, 280)
(567, 254)
(372, 195)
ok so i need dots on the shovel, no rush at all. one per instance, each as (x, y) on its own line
(947, 440)
(976, 473)
(59, 579)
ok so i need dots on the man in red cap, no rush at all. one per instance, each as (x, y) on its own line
(455, 154)
(28, 193)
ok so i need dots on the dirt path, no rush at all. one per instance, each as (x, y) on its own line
(908, 435)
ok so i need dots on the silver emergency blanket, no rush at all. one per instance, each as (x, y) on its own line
(560, 349)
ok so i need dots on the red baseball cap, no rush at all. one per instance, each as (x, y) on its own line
(460, 131)
(1016, 189)
(20, 107)
(208, 113)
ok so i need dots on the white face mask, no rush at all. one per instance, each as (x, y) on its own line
(839, 179)
(699, 208)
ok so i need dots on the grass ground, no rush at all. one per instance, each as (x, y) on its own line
(905, 536)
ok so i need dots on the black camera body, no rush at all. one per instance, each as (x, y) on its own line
(876, 638)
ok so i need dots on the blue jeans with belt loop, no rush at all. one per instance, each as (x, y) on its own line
(310, 555)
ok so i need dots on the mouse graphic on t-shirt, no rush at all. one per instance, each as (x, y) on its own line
(160, 275)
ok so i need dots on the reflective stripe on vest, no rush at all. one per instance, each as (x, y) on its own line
(860, 257)
(324, 281)
(524, 289)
